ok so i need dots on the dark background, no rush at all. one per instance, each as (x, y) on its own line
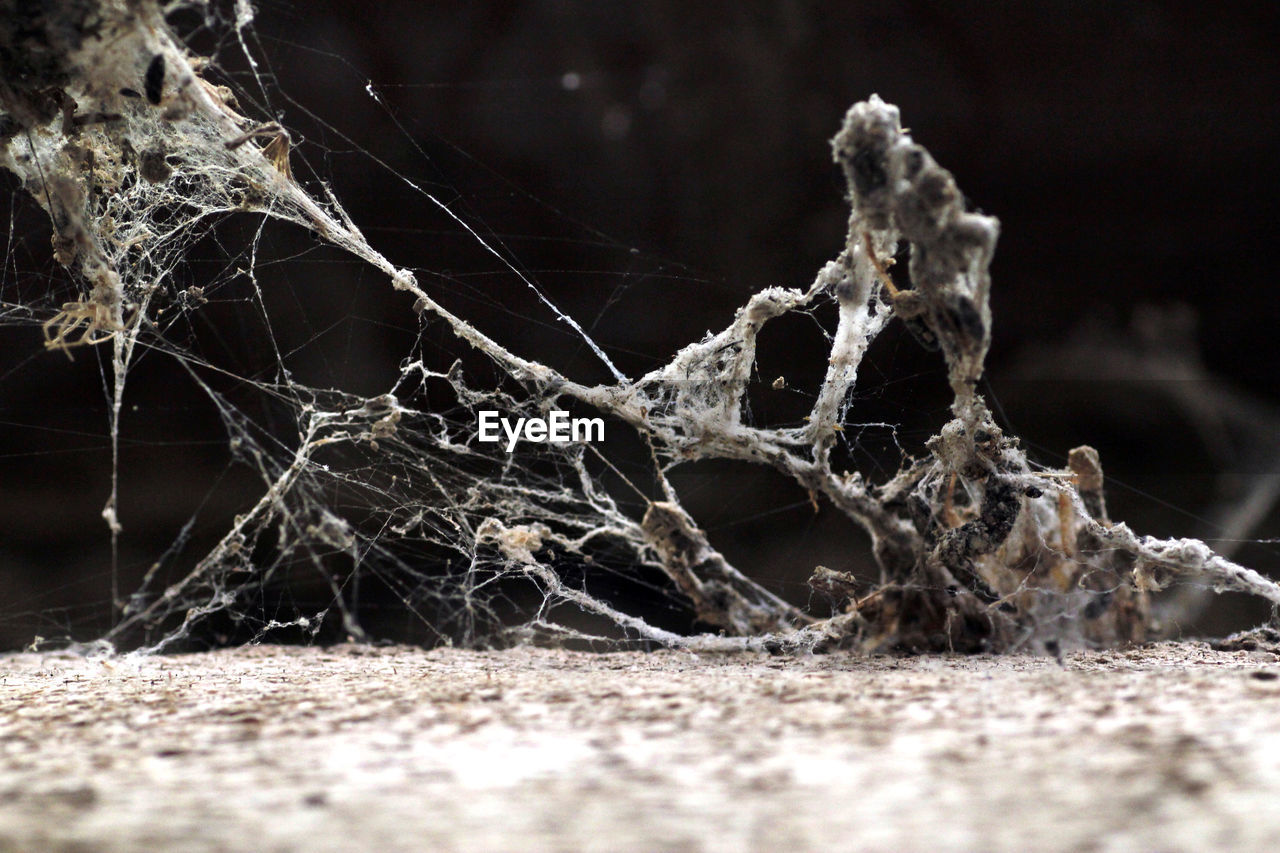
(1129, 150)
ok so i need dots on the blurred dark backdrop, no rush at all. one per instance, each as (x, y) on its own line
(651, 165)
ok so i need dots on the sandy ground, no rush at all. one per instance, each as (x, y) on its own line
(1170, 747)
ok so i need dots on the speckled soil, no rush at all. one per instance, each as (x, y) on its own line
(1168, 747)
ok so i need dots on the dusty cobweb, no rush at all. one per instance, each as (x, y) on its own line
(138, 149)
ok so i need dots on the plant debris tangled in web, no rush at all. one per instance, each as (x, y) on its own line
(113, 128)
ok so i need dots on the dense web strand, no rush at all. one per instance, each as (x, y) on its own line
(977, 548)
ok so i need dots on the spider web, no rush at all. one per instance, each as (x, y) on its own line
(153, 163)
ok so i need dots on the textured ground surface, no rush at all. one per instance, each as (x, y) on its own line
(1161, 748)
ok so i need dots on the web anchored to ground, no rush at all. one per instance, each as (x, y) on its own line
(121, 134)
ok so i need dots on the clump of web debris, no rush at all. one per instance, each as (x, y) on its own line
(115, 132)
